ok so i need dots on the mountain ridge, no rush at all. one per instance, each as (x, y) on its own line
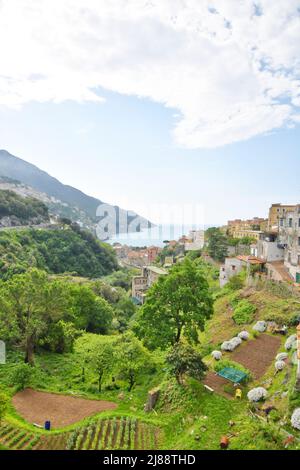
(31, 175)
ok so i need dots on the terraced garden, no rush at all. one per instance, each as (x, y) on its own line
(122, 433)
(15, 438)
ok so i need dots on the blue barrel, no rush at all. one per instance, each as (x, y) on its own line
(47, 425)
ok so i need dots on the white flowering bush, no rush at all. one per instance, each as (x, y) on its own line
(291, 342)
(217, 355)
(279, 365)
(244, 335)
(281, 356)
(295, 358)
(257, 394)
(227, 346)
(295, 419)
(235, 341)
(260, 326)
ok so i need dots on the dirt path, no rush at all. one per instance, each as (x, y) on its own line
(257, 355)
(61, 410)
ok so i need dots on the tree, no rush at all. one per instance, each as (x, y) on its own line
(216, 243)
(102, 359)
(176, 305)
(21, 376)
(3, 404)
(132, 358)
(124, 311)
(29, 302)
(90, 312)
(183, 359)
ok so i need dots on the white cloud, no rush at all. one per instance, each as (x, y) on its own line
(230, 68)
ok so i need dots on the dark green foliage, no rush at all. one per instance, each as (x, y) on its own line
(29, 304)
(21, 376)
(4, 400)
(56, 251)
(176, 306)
(132, 359)
(24, 209)
(183, 359)
(90, 312)
(216, 243)
(244, 312)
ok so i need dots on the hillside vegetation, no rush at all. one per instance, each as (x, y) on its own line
(18, 210)
(65, 249)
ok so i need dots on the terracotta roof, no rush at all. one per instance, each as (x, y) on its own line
(251, 259)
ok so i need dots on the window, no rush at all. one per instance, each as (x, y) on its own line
(299, 222)
(233, 267)
(298, 241)
(290, 222)
(281, 222)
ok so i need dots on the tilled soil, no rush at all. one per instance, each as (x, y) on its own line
(257, 355)
(61, 410)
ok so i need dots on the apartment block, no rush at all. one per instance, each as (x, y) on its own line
(277, 212)
(289, 240)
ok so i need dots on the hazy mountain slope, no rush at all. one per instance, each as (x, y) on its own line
(76, 204)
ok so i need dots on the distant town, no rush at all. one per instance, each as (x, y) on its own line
(270, 245)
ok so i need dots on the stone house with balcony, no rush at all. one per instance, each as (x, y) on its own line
(141, 283)
(289, 240)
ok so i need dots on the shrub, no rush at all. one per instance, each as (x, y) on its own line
(281, 356)
(217, 355)
(257, 394)
(244, 335)
(260, 326)
(280, 365)
(295, 419)
(236, 282)
(291, 342)
(21, 376)
(244, 312)
(227, 346)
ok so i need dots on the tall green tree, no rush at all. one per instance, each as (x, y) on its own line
(90, 312)
(185, 360)
(102, 360)
(132, 358)
(28, 304)
(176, 306)
(216, 243)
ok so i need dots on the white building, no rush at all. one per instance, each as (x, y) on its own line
(195, 240)
(289, 240)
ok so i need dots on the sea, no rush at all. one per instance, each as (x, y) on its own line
(155, 235)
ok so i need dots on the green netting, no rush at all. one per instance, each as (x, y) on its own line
(234, 375)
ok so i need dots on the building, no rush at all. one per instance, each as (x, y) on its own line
(276, 212)
(153, 252)
(234, 266)
(244, 233)
(268, 248)
(195, 240)
(289, 241)
(239, 228)
(141, 283)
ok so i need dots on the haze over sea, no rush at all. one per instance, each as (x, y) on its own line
(156, 235)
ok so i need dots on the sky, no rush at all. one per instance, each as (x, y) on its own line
(178, 107)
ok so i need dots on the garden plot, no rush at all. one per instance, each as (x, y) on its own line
(257, 355)
(61, 410)
(117, 433)
(16, 438)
